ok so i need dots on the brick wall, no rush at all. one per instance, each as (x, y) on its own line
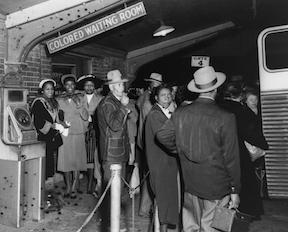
(2, 44)
(38, 68)
(102, 65)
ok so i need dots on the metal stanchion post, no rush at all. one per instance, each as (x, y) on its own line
(156, 219)
(115, 197)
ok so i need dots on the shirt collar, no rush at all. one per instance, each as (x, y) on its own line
(232, 99)
(118, 98)
(207, 97)
(167, 112)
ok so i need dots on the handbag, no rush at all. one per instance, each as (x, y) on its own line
(135, 179)
(223, 218)
(56, 140)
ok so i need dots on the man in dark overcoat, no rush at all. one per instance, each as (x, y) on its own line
(205, 138)
(251, 202)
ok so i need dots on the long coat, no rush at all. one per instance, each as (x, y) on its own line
(72, 155)
(91, 106)
(111, 117)
(44, 117)
(90, 135)
(251, 202)
(144, 105)
(163, 169)
(206, 140)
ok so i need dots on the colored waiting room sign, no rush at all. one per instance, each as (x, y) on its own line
(97, 27)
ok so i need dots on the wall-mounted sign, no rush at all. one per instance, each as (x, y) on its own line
(97, 27)
(200, 61)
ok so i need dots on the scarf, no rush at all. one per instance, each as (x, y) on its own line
(74, 96)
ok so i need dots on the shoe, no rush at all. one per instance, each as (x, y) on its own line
(66, 195)
(95, 194)
(98, 188)
(79, 191)
(89, 192)
(73, 195)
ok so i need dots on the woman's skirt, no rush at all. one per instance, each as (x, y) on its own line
(72, 154)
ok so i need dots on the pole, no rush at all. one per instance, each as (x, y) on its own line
(115, 197)
(156, 219)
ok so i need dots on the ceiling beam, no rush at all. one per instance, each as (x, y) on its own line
(179, 42)
(40, 10)
(95, 50)
(139, 57)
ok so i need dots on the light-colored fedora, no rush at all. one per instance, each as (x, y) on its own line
(41, 84)
(114, 77)
(155, 77)
(66, 76)
(205, 80)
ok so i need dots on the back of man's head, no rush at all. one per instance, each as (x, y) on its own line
(211, 94)
(233, 90)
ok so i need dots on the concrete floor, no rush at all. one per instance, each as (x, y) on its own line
(75, 211)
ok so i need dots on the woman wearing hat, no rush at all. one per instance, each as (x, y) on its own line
(72, 155)
(162, 164)
(45, 116)
(91, 100)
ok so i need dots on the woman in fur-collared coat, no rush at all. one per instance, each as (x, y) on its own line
(45, 117)
(72, 155)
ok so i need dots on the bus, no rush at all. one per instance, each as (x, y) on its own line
(273, 76)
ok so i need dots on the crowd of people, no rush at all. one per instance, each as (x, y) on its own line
(202, 144)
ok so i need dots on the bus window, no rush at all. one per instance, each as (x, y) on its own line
(276, 50)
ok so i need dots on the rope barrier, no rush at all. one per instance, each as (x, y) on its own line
(97, 205)
(132, 190)
(131, 193)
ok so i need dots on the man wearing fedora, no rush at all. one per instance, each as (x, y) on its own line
(144, 106)
(205, 137)
(91, 100)
(112, 114)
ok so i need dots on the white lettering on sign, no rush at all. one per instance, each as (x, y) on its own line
(200, 61)
(104, 24)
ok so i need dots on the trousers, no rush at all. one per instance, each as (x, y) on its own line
(198, 213)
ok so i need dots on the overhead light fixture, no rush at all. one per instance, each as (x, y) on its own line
(163, 30)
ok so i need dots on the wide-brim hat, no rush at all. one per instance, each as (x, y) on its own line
(43, 82)
(89, 77)
(155, 77)
(206, 80)
(114, 77)
(68, 76)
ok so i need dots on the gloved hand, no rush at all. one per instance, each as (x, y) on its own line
(59, 127)
(66, 129)
(124, 99)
